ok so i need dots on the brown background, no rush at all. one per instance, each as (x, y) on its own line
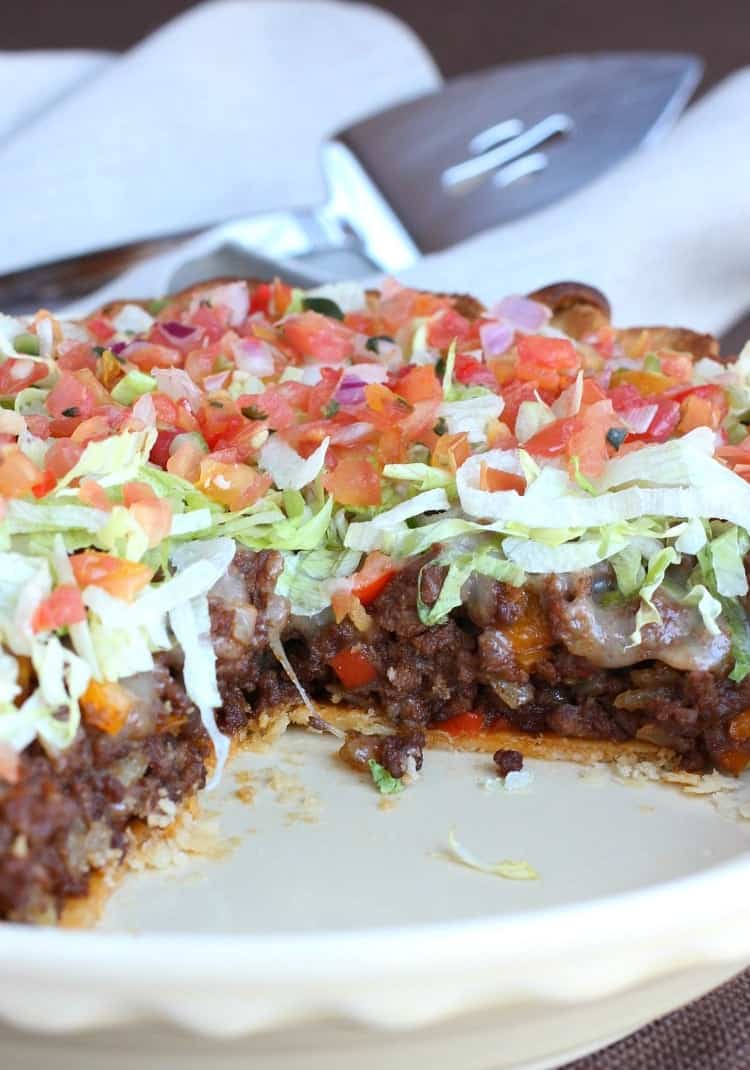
(462, 34)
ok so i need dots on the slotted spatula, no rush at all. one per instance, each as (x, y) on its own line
(485, 149)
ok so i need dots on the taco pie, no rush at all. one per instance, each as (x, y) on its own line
(398, 516)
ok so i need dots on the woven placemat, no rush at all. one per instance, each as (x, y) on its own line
(713, 1033)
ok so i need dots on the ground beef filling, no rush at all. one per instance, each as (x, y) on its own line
(524, 659)
(505, 653)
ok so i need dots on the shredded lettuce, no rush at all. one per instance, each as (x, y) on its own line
(470, 416)
(132, 386)
(510, 869)
(647, 611)
(385, 782)
(532, 417)
(425, 476)
(308, 579)
(113, 461)
(385, 527)
(726, 553)
(287, 468)
(484, 562)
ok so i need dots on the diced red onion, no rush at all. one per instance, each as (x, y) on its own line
(181, 334)
(351, 391)
(496, 337)
(145, 411)
(639, 417)
(524, 314)
(254, 356)
(369, 372)
(177, 384)
(118, 347)
(349, 434)
(215, 381)
(233, 296)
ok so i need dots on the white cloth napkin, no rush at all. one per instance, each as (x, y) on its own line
(223, 111)
(220, 112)
(31, 82)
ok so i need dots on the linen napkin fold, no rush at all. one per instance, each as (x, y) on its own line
(33, 81)
(220, 112)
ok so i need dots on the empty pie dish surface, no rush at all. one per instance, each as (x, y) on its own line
(302, 919)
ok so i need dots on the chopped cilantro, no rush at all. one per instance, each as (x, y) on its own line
(157, 306)
(372, 343)
(324, 306)
(616, 436)
(331, 408)
(383, 780)
(441, 427)
(99, 350)
(216, 404)
(72, 411)
(651, 363)
(252, 412)
(440, 368)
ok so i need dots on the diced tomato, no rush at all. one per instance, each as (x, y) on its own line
(92, 493)
(463, 724)
(625, 398)
(645, 382)
(556, 353)
(376, 573)
(46, 484)
(233, 485)
(282, 296)
(219, 421)
(155, 517)
(553, 439)
(101, 328)
(354, 481)
(186, 461)
(62, 608)
(160, 450)
(73, 399)
(353, 668)
(495, 479)
(136, 491)
(665, 420)
(80, 355)
(106, 705)
(420, 383)
(472, 372)
(146, 356)
(588, 443)
(678, 366)
(62, 455)
(446, 326)
(260, 298)
(514, 395)
(18, 474)
(276, 406)
(450, 451)
(16, 375)
(391, 446)
(38, 424)
(120, 578)
(318, 337)
(592, 392)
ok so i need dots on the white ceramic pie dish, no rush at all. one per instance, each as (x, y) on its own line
(334, 930)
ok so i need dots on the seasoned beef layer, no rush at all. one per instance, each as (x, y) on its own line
(549, 659)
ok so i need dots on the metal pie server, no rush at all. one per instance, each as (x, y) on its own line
(485, 149)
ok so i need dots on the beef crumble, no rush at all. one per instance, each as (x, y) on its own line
(69, 813)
